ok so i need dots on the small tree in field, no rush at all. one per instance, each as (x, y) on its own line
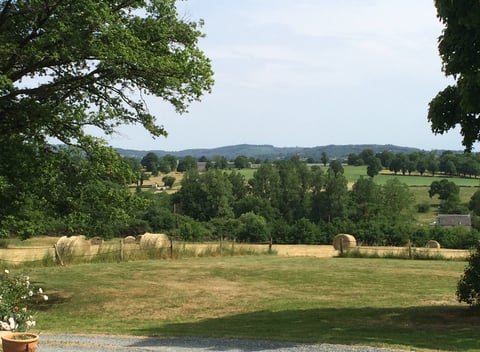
(468, 288)
(168, 181)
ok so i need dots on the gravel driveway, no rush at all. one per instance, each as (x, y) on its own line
(94, 343)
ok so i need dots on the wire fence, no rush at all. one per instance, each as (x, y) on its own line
(127, 250)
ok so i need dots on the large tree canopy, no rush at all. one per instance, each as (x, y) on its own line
(459, 48)
(68, 64)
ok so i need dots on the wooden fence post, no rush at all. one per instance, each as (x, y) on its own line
(171, 248)
(122, 250)
(57, 255)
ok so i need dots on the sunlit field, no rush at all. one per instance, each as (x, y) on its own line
(379, 302)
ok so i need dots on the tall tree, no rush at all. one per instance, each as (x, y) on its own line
(205, 196)
(448, 163)
(295, 181)
(221, 162)
(374, 166)
(324, 158)
(241, 162)
(366, 197)
(137, 170)
(336, 167)
(458, 104)
(334, 201)
(386, 158)
(448, 193)
(432, 163)
(187, 163)
(68, 65)
(399, 163)
(151, 162)
(397, 201)
(474, 203)
(76, 63)
(266, 183)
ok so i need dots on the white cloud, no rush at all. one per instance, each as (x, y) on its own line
(307, 42)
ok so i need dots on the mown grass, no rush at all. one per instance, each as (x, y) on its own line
(426, 180)
(377, 302)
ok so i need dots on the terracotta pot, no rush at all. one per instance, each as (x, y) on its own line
(19, 342)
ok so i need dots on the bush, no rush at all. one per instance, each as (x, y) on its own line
(420, 236)
(468, 288)
(423, 208)
(253, 228)
(190, 230)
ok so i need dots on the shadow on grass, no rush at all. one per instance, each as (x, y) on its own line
(451, 328)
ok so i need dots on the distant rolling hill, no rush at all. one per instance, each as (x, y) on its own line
(269, 152)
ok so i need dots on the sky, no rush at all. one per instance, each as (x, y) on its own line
(308, 73)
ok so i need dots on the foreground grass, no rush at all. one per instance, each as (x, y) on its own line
(379, 302)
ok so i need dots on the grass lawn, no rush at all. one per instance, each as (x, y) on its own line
(378, 302)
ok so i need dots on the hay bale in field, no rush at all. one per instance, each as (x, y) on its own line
(154, 240)
(96, 241)
(129, 239)
(344, 241)
(432, 244)
(73, 245)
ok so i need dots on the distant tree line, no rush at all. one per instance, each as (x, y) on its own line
(419, 162)
(68, 191)
(448, 163)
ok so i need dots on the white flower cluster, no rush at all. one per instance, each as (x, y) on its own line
(15, 293)
(9, 324)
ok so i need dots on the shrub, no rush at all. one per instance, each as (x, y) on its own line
(468, 288)
(17, 294)
(253, 228)
(423, 208)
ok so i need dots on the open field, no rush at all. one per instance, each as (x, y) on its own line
(379, 302)
(41, 249)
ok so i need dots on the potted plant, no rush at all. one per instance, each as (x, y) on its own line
(16, 294)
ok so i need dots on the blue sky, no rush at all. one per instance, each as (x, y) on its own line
(309, 73)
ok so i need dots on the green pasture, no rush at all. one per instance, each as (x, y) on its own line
(353, 173)
(426, 181)
(402, 304)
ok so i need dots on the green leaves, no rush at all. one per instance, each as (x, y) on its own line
(459, 48)
(468, 287)
(91, 61)
(67, 65)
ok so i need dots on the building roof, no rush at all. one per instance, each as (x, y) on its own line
(454, 219)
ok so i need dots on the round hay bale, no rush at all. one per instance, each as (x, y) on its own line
(130, 239)
(344, 241)
(67, 246)
(154, 240)
(96, 240)
(432, 244)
